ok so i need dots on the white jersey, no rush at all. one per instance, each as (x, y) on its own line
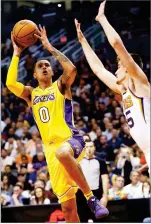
(137, 113)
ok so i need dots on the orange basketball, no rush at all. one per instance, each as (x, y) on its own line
(24, 31)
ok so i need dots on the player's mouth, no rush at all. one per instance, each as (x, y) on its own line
(45, 72)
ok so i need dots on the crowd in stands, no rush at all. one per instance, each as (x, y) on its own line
(98, 115)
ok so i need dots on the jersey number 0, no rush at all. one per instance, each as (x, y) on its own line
(44, 114)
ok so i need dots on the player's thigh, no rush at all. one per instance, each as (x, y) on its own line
(63, 186)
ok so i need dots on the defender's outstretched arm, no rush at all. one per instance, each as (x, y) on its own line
(115, 41)
(95, 63)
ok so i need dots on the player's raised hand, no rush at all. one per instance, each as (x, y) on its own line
(17, 49)
(101, 11)
(42, 35)
(79, 32)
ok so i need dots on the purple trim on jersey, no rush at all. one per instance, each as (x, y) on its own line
(77, 144)
(68, 116)
(142, 103)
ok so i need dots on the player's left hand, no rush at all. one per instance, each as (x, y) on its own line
(42, 35)
(104, 201)
(101, 11)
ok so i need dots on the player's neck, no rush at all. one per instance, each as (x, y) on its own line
(44, 85)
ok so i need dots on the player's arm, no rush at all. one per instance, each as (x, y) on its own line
(115, 41)
(11, 82)
(95, 63)
(69, 73)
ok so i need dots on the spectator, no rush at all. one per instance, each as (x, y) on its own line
(124, 163)
(146, 192)
(6, 187)
(135, 159)
(8, 172)
(96, 174)
(104, 99)
(5, 159)
(23, 180)
(108, 131)
(115, 144)
(39, 197)
(115, 193)
(11, 144)
(29, 64)
(133, 190)
(31, 144)
(125, 136)
(103, 148)
(17, 198)
(144, 176)
(38, 166)
(23, 157)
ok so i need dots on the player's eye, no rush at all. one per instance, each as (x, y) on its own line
(40, 66)
(47, 65)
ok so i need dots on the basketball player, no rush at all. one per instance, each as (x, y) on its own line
(51, 104)
(130, 82)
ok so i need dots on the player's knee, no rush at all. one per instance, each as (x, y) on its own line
(63, 153)
(68, 212)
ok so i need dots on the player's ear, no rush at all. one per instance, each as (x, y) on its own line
(35, 75)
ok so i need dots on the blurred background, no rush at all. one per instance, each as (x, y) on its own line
(97, 110)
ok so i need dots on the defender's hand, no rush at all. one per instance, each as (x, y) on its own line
(101, 11)
(79, 32)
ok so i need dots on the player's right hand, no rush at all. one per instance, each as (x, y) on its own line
(17, 49)
(79, 32)
(101, 11)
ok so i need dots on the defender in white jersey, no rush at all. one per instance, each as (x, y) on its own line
(130, 82)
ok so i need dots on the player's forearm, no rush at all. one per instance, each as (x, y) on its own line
(64, 61)
(112, 36)
(91, 57)
(11, 82)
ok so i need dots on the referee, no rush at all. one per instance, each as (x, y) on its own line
(96, 174)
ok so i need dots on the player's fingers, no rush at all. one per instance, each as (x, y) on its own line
(39, 37)
(44, 30)
(40, 27)
(76, 22)
(38, 31)
(12, 38)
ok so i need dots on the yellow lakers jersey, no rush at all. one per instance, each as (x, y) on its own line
(137, 113)
(53, 114)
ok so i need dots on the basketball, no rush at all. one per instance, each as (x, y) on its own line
(24, 31)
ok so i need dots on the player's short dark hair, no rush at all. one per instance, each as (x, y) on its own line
(37, 62)
(136, 58)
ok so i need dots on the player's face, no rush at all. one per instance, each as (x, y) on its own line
(120, 73)
(43, 70)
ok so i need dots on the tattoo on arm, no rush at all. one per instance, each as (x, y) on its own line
(60, 57)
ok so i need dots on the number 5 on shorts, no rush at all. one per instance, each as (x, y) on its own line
(44, 114)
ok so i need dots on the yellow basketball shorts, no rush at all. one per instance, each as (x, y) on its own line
(62, 184)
